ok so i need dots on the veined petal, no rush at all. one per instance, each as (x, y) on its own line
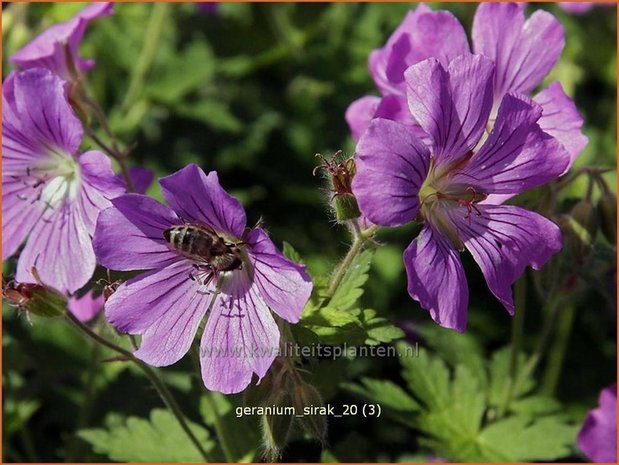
(452, 105)
(517, 155)
(42, 105)
(240, 339)
(20, 212)
(200, 198)
(139, 303)
(504, 240)
(561, 119)
(171, 336)
(393, 107)
(391, 167)
(436, 278)
(99, 184)
(48, 49)
(359, 114)
(129, 235)
(524, 52)
(282, 284)
(60, 248)
(422, 34)
(36, 119)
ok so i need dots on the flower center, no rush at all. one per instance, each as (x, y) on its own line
(53, 180)
(440, 197)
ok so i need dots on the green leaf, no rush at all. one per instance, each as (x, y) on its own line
(453, 403)
(17, 413)
(378, 329)
(385, 393)
(456, 348)
(517, 439)
(242, 434)
(352, 327)
(427, 377)
(329, 317)
(159, 439)
(351, 287)
(535, 406)
(215, 114)
(291, 253)
(187, 71)
(500, 379)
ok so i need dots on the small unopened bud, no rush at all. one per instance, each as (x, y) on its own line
(607, 212)
(579, 228)
(306, 395)
(276, 427)
(37, 299)
(346, 207)
(340, 174)
(584, 213)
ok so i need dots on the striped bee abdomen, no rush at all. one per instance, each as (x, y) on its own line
(194, 241)
(202, 244)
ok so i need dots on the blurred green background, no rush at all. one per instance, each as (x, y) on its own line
(254, 91)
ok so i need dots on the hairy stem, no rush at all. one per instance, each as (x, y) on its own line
(150, 373)
(86, 407)
(356, 247)
(542, 343)
(219, 428)
(556, 354)
(516, 344)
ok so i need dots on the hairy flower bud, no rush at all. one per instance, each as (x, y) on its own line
(585, 214)
(340, 175)
(276, 427)
(580, 229)
(607, 213)
(346, 207)
(306, 395)
(37, 299)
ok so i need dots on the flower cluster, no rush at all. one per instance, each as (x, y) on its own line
(453, 136)
(455, 133)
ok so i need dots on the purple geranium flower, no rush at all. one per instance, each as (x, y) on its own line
(49, 49)
(87, 307)
(166, 305)
(523, 51)
(447, 184)
(51, 194)
(598, 436)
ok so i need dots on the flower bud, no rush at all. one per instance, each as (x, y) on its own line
(607, 213)
(346, 207)
(306, 395)
(37, 299)
(585, 214)
(276, 428)
(340, 175)
(579, 228)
